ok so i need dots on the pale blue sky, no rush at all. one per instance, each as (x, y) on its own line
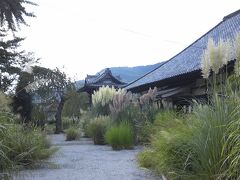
(86, 36)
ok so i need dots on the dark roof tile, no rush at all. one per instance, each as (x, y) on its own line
(189, 59)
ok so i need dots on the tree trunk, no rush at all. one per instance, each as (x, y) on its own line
(58, 116)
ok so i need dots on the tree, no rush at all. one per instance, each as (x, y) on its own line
(22, 101)
(76, 101)
(13, 12)
(12, 62)
(55, 87)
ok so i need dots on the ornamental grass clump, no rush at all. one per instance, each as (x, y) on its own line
(120, 137)
(97, 129)
(216, 56)
(72, 133)
(102, 98)
(20, 146)
(23, 147)
(170, 152)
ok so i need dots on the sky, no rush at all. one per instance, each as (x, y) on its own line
(84, 36)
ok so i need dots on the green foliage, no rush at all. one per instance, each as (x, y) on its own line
(165, 119)
(120, 137)
(72, 133)
(204, 145)
(5, 102)
(232, 147)
(12, 60)
(145, 133)
(51, 86)
(38, 115)
(97, 129)
(67, 122)
(13, 13)
(49, 128)
(22, 147)
(139, 112)
(76, 101)
(22, 100)
(170, 152)
(85, 120)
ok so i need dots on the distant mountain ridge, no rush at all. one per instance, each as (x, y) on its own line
(128, 74)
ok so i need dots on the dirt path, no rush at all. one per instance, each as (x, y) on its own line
(81, 160)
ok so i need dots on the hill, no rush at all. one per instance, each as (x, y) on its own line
(128, 74)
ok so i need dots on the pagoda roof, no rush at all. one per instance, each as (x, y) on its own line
(104, 78)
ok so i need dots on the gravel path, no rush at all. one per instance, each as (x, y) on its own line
(81, 160)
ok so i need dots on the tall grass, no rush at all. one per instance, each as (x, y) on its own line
(170, 152)
(205, 145)
(72, 133)
(208, 140)
(97, 129)
(23, 147)
(120, 137)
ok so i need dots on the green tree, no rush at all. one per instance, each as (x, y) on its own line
(13, 13)
(76, 101)
(22, 101)
(12, 61)
(55, 87)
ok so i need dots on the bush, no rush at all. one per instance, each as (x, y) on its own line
(85, 121)
(162, 120)
(214, 140)
(22, 147)
(202, 146)
(49, 128)
(68, 122)
(72, 133)
(97, 129)
(120, 137)
(38, 115)
(138, 111)
(145, 133)
(170, 152)
(19, 146)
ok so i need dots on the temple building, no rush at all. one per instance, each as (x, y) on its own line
(179, 79)
(104, 78)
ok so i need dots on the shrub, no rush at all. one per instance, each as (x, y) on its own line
(5, 101)
(23, 147)
(147, 128)
(170, 152)
(97, 128)
(120, 137)
(19, 146)
(214, 141)
(68, 122)
(145, 133)
(72, 133)
(85, 121)
(49, 128)
(204, 146)
(138, 111)
(38, 115)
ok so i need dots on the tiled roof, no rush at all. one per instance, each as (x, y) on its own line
(94, 79)
(189, 59)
